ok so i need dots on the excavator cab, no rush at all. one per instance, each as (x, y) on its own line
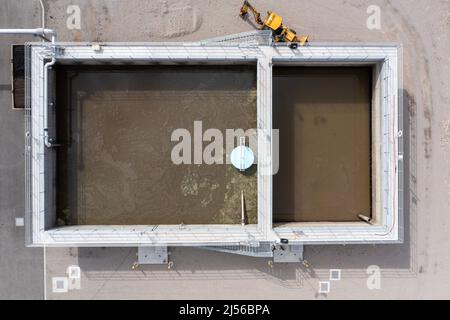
(273, 21)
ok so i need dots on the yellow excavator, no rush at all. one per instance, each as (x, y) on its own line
(274, 22)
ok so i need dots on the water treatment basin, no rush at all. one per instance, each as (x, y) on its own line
(115, 127)
(129, 126)
(323, 115)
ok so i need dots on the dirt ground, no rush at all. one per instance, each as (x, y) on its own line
(419, 268)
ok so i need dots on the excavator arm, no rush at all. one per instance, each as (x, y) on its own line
(244, 11)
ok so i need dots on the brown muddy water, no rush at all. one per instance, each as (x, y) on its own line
(323, 114)
(115, 126)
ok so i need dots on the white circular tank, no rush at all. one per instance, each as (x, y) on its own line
(242, 157)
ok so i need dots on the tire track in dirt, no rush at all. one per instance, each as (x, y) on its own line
(419, 53)
(418, 76)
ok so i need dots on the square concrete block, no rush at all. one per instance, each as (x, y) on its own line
(324, 287)
(60, 284)
(20, 222)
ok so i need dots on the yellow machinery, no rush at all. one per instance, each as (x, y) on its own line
(274, 22)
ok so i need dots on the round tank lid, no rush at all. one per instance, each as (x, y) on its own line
(242, 157)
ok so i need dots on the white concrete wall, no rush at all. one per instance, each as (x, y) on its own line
(386, 231)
